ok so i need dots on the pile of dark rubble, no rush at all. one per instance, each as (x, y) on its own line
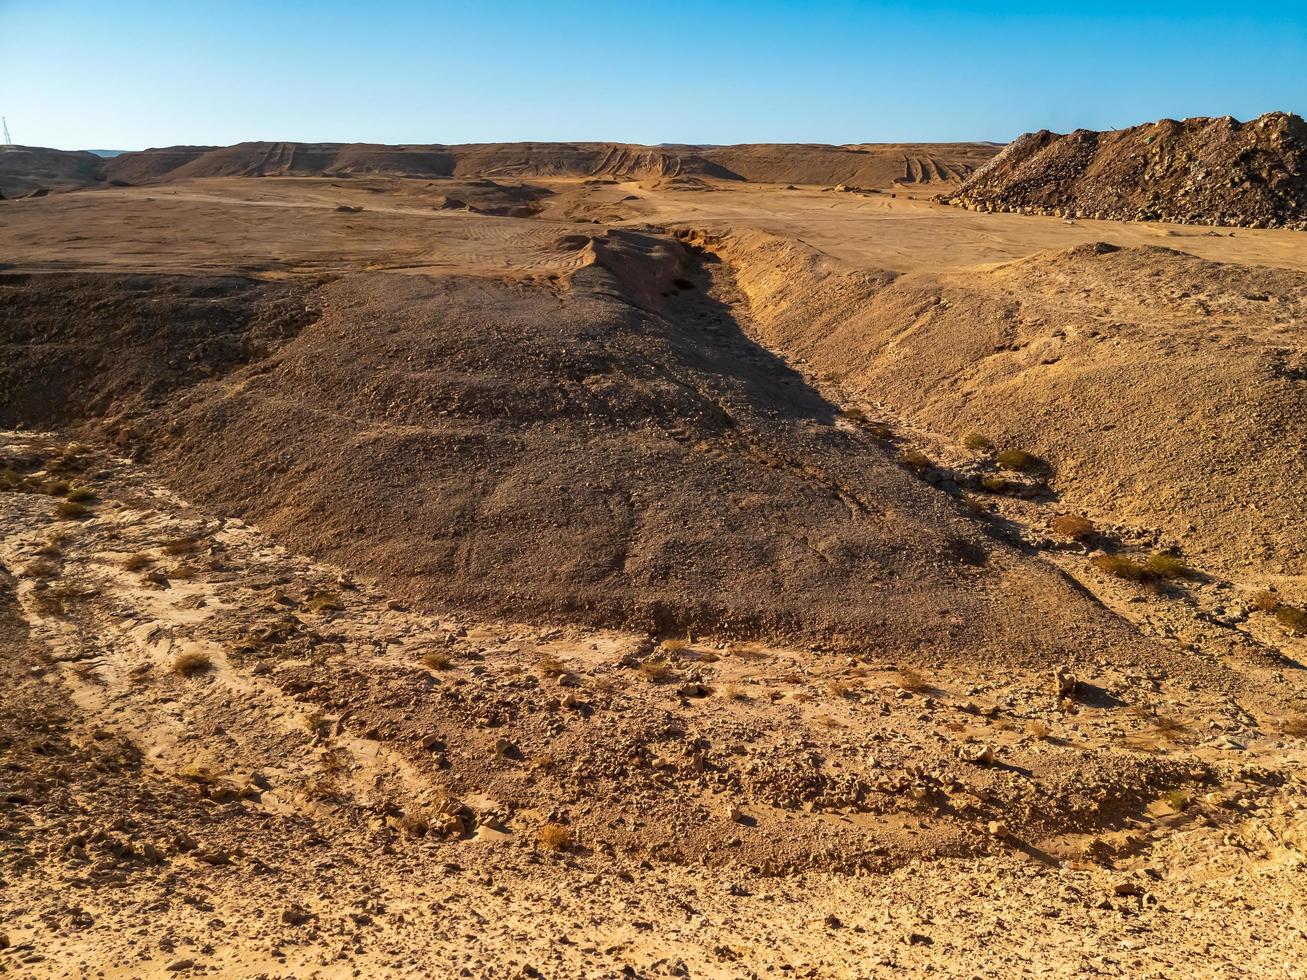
(1197, 171)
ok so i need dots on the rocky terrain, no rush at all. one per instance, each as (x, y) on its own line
(654, 574)
(1197, 171)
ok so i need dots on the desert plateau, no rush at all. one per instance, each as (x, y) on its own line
(598, 560)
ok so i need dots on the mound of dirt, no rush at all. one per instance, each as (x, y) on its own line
(614, 451)
(1158, 386)
(24, 169)
(1198, 171)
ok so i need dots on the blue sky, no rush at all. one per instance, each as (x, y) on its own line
(126, 74)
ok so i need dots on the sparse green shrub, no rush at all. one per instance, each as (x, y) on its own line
(1120, 567)
(1018, 460)
(1165, 565)
(975, 441)
(71, 510)
(80, 495)
(994, 483)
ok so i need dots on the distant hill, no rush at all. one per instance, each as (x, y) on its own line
(25, 169)
(879, 165)
(1215, 171)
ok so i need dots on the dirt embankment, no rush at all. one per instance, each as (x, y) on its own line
(611, 450)
(1159, 387)
(1198, 171)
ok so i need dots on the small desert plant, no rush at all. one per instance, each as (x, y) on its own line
(555, 837)
(838, 689)
(182, 546)
(1120, 567)
(1018, 460)
(437, 661)
(1266, 601)
(326, 602)
(880, 430)
(994, 483)
(915, 460)
(911, 680)
(57, 488)
(191, 662)
(1295, 726)
(136, 561)
(1074, 527)
(1037, 728)
(975, 441)
(80, 495)
(656, 671)
(41, 568)
(1165, 565)
(675, 645)
(733, 693)
(71, 509)
(1292, 618)
(856, 414)
(1177, 799)
(1169, 727)
(551, 667)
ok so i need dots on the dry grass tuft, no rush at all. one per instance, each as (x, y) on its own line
(838, 689)
(1266, 601)
(911, 680)
(657, 671)
(1018, 460)
(1295, 726)
(975, 441)
(437, 661)
(325, 602)
(555, 837)
(80, 495)
(136, 561)
(994, 483)
(1120, 567)
(915, 460)
(1074, 526)
(675, 645)
(41, 568)
(1292, 619)
(732, 692)
(1037, 728)
(71, 509)
(551, 667)
(182, 546)
(1165, 565)
(191, 663)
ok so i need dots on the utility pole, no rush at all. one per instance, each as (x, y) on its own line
(5, 123)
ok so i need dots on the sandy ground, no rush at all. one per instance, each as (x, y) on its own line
(220, 757)
(213, 224)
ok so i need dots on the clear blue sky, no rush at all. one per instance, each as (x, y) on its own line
(126, 74)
